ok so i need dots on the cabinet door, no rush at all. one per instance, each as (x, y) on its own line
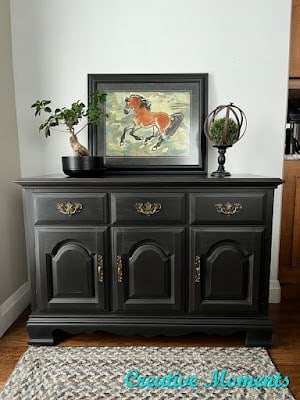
(71, 268)
(295, 41)
(148, 268)
(226, 267)
(289, 255)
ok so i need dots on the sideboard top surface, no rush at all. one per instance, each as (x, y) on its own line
(193, 180)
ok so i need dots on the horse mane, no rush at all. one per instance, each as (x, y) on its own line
(144, 102)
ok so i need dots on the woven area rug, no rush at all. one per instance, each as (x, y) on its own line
(75, 373)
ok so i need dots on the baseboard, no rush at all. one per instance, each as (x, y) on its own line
(275, 292)
(14, 306)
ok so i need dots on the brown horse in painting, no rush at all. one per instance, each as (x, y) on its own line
(163, 125)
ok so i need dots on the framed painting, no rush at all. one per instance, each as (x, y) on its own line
(154, 123)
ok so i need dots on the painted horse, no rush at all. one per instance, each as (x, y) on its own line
(163, 125)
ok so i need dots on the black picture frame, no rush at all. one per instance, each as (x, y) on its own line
(181, 96)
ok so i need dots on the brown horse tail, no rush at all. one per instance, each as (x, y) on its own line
(176, 120)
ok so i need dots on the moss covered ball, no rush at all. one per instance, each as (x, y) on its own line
(216, 132)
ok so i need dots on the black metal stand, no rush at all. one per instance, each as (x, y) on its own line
(221, 160)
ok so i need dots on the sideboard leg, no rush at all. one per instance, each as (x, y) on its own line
(259, 337)
(40, 336)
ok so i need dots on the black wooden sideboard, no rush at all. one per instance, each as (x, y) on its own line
(149, 255)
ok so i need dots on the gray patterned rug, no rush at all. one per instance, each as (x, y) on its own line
(120, 373)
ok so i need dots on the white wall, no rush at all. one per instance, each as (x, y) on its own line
(242, 45)
(14, 291)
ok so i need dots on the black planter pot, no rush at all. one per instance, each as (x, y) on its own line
(83, 166)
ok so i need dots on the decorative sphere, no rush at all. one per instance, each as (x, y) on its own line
(226, 130)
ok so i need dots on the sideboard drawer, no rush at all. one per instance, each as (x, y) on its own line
(148, 208)
(231, 208)
(70, 208)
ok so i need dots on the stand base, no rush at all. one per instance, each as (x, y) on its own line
(220, 174)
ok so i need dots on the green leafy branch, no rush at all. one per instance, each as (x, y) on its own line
(73, 115)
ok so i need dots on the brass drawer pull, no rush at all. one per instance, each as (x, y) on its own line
(228, 208)
(197, 266)
(69, 208)
(148, 208)
(119, 269)
(100, 269)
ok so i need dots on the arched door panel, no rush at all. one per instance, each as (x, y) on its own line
(148, 269)
(73, 268)
(225, 269)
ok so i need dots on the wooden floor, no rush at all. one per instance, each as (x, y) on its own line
(285, 352)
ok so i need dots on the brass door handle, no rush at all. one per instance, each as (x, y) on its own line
(119, 269)
(148, 208)
(69, 208)
(100, 269)
(197, 266)
(228, 208)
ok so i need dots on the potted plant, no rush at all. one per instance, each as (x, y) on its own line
(81, 163)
